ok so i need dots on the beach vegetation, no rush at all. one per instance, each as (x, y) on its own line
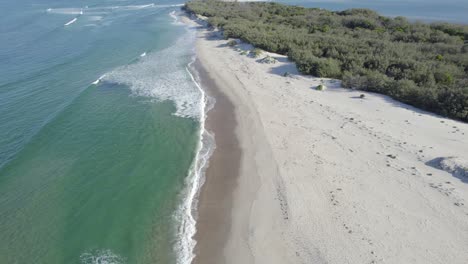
(424, 65)
(320, 87)
(256, 52)
(232, 43)
(269, 60)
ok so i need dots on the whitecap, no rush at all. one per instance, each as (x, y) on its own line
(104, 256)
(64, 11)
(96, 82)
(71, 21)
(162, 76)
(175, 18)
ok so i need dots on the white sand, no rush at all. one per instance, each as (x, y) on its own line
(317, 182)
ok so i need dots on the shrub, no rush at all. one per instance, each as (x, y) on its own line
(420, 64)
(256, 52)
(232, 43)
(321, 87)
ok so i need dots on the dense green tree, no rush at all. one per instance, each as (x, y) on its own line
(425, 65)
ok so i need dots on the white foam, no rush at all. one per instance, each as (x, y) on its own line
(162, 76)
(96, 82)
(64, 11)
(165, 75)
(174, 16)
(101, 257)
(71, 21)
(186, 214)
(105, 9)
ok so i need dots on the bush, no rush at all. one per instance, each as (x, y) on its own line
(320, 67)
(256, 53)
(321, 87)
(232, 43)
(420, 64)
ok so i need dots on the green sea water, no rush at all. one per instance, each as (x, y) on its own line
(100, 127)
(95, 173)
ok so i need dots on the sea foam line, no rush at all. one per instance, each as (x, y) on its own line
(187, 213)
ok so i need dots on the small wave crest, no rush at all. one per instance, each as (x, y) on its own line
(104, 256)
(162, 76)
(71, 21)
(105, 9)
(96, 82)
(175, 18)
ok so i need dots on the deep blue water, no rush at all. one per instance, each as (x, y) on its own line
(455, 11)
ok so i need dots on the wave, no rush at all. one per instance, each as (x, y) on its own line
(96, 82)
(186, 214)
(143, 54)
(165, 75)
(101, 257)
(174, 16)
(71, 22)
(105, 9)
(162, 77)
(65, 11)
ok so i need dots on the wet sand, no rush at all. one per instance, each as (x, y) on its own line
(215, 200)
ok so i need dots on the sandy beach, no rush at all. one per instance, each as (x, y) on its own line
(307, 176)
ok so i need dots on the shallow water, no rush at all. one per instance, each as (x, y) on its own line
(100, 125)
(94, 173)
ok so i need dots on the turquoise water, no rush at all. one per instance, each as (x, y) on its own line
(95, 173)
(455, 11)
(100, 126)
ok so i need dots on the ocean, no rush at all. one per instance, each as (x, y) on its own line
(453, 11)
(102, 145)
(100, 122)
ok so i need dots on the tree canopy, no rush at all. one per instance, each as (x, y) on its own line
(425, 65)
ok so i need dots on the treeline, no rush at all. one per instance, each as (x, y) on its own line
(425, 65)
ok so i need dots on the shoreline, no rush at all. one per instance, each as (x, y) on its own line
(325, 176)
(214, 199)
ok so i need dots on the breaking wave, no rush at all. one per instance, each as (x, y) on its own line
(71, 21)
(162, 76)
(105, 9)
(105, 256)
